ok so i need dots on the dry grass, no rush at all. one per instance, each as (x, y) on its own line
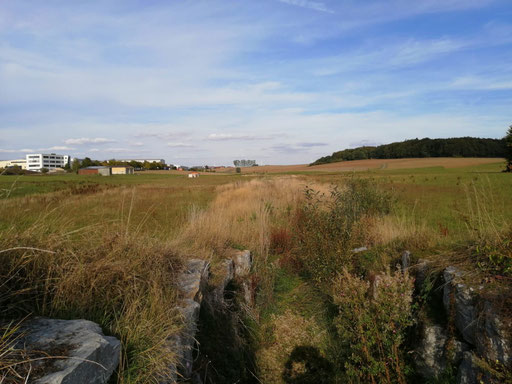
(111, 256)
(242, 216)
(97, 256)
(289, 330)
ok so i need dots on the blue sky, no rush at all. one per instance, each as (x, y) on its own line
(279, 81)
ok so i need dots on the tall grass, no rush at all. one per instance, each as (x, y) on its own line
(70, 259)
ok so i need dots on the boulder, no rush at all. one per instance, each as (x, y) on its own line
(460, 300)
(191, 285)
(223, 276)
(243, 263)
(468, 370)
(90, 356)
(406, 260)
(429, 355)
(193, 279)
(492, 336)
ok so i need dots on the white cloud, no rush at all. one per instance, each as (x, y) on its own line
(16, 150)
(86, 140)
(315, 5)
(179, 145)
(58, 148)
(231, 136)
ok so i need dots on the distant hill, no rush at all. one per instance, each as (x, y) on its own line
(453, 147)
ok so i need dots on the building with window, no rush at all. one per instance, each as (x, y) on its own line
(22, 163)
(38, 161)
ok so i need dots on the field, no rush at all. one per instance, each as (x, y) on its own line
(106, 248)
(363, 165)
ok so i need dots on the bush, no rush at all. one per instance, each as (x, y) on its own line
(326, 227)
(373, 316)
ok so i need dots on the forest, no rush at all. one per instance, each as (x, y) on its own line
(452, 147)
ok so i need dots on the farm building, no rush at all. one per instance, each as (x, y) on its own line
(193, 175)
(122, 170)
(97, 170)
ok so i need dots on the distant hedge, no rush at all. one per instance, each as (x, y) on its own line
(454, 147)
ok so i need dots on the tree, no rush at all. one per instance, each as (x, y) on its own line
(44, 170)
(87, 162)
(75, 165)
(508, 141)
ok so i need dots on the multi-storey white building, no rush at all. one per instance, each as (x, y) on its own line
(37, 161)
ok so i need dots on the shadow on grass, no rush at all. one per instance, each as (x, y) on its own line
(306, 366)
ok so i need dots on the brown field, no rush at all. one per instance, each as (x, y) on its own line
(363, 165)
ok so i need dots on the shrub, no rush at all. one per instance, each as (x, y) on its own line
(372, 318)
(326, 226)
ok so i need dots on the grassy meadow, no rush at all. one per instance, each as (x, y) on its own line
(108, 249)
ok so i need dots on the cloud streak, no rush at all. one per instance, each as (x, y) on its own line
(88, 140)
(315, 5)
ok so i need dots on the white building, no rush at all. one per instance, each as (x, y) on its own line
(12, 163)
(37, 161)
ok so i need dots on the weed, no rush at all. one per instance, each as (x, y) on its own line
(373, 317)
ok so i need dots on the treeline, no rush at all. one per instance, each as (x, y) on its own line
(454, 147)
(87, 162)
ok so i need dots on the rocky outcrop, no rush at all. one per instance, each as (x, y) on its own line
(191, 285)
(89, 357)
(460, 300)
(430, 354)
(492, 336)
(224, 356)
(243, 263)
(468, 370)
(202, 302)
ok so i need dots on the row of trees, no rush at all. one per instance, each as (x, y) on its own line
(87, 162)
(454, 147)
(245, 163)
(508, 141)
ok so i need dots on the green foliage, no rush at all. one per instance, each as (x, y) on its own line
(75, 165)
(495, 257)
(454, 147)
(245, 163)
(44, 170)
(508, 155)
(325, 226)
(373, 316)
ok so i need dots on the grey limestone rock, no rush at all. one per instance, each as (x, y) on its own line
(191, 285)
(406, 260)
(429, 355)
(460, 299)
(468, 370)
(243, 263)
(91, 357)
(492, 339)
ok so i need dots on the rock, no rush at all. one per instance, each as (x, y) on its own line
(406, 260)
(468, 370)
(243, 263)
(421, 272)
(492, 339)
(191, 282)
(191, 285)
(463, 299)
(225, 274)
(359, 250)
(92, 357)
(429, 355)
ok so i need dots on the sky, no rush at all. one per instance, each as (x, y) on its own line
(279, 81)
